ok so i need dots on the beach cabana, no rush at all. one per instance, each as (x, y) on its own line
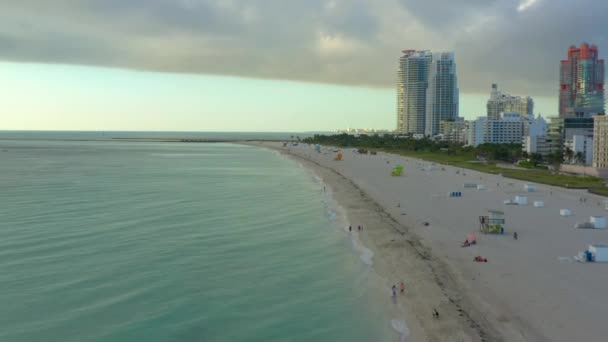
(598, 222)
(565, 212)
(455, 194)
(470, 185)
(521, 200)
(493, 223)
(530, 187)
(539, 204)
(599, 252)
(481, 187)
(594, 253)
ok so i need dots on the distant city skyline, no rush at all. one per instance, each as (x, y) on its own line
(92, 98)
(267, 64)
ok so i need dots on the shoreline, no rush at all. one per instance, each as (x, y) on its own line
(531, 289)
(428, 281)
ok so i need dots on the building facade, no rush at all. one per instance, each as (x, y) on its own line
(500, 102)
(581, 91)
(535, 126)
(412, 84)
(536, 144)
(442, 93)
(453, 131)
(508, 129)
(578, 149)
(475, 131)
(600, 141)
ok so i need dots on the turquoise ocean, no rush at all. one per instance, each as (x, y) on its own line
(132, 241)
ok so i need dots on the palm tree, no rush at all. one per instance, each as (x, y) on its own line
(568, 155)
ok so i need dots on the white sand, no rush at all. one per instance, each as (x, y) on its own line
(524, 293)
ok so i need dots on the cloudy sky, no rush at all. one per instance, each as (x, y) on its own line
(269, 64)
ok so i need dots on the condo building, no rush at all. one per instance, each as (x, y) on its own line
(500, 102)
(581, 91)
(412, 84)
(427, 92)
(442, 93)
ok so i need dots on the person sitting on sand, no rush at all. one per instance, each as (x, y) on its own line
(435, 313)
(466, 243)
(480, 259)
(394, 291)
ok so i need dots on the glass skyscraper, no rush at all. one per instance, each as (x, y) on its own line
(442, 92)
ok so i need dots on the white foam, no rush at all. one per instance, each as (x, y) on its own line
(366, 256)
(401, 328)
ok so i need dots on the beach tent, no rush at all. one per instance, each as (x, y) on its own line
(530, 187)
(598, 252)
(539, 204)
(565, 212)
(472, 237)
(599, 222)
(481, 187)
(521, 200)
(397, 171)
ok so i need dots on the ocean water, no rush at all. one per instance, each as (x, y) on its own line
(115, 241)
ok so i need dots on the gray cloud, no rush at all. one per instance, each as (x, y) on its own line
(334, 41)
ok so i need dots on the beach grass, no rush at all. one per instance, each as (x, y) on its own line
(468, 161)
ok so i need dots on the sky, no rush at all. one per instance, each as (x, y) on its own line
(269, 65)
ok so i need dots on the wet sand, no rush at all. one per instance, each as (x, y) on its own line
(530, 289)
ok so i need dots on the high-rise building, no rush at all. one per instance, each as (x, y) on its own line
(581, 91)
(427, 91)
(500, 102)
(442, 92)
(412, 84)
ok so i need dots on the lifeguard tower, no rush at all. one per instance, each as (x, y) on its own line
(493, 223)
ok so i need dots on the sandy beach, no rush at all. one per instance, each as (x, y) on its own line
(530, 289)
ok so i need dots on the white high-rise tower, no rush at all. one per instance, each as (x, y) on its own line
(412, 84)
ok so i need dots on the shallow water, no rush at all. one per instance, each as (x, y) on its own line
(107, 241)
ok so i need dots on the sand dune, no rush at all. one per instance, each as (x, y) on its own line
(529, 290)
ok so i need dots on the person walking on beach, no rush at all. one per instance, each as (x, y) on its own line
(515, 235)
(350, 228)
(394, 292)
(402, 287)
(359, 228)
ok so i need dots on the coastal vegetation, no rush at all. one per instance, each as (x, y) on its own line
(506, 159)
